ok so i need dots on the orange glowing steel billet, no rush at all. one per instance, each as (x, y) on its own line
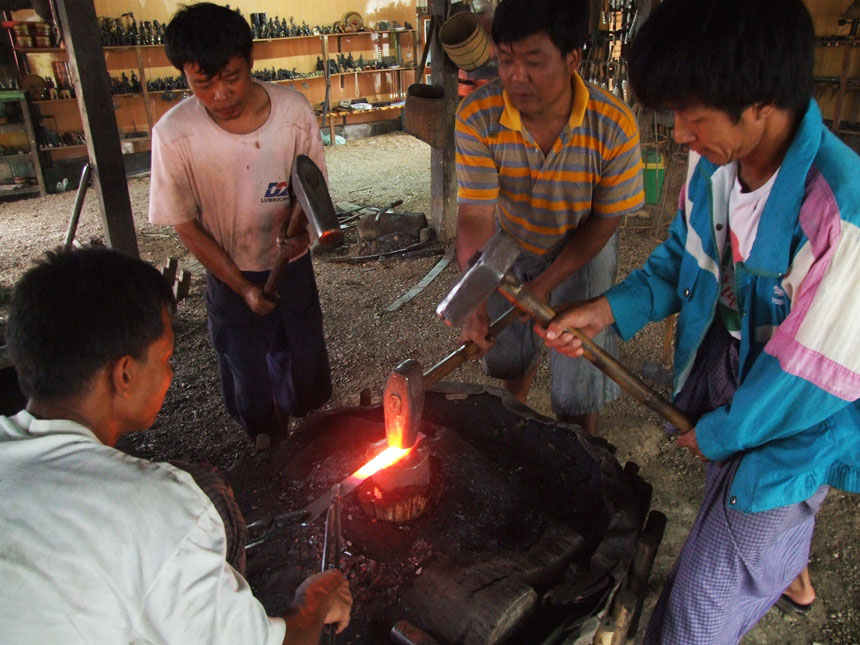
(384, 459)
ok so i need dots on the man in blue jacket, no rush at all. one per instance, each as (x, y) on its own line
(762, 264)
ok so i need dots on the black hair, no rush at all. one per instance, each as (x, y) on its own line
(725, 54)
(564, 21)
(207, 35)
(76, 311)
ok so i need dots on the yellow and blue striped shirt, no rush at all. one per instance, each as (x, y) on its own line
(595, 165)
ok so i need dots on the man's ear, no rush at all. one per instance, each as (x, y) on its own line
(122, 374)
(573, 59)
(763, 110)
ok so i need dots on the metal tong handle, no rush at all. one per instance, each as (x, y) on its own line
(332, 545)
(270, 525)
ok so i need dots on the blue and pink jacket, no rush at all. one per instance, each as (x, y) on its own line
(795, 418)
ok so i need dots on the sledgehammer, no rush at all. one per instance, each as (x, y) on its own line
(308, 187)
(491, 272)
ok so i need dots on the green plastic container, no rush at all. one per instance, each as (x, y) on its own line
(653, 175)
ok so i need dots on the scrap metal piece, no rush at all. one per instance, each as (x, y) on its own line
(418, 288)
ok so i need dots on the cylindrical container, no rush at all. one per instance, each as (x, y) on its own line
(465, 41)
(424, 114)
(62, 74)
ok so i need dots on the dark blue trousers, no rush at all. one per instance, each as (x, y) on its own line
(274, 366)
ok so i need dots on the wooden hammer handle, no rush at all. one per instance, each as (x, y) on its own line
(605, 362)
(466, 351)
(291, 227)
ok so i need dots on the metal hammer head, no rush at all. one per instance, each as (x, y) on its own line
(481, 279)
(403, 403)
(313, 196)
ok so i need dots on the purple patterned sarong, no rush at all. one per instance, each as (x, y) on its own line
(734, 566)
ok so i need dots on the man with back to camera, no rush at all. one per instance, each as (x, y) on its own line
(97, 546)
(221, 162)
(761, 267)
(555, 163)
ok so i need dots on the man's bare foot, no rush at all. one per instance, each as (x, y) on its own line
(800, 590)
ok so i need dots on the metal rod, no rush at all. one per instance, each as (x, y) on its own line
(465, 351)
(79, 204)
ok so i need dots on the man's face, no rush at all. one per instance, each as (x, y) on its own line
(713, 134)
(152, 379)
(225, 95)
(534, 73)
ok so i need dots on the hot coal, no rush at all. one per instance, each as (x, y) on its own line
(509, 492)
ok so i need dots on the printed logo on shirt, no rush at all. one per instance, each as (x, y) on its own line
(276, 191)
(778, 297)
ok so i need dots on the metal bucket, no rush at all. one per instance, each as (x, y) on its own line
(465, 41)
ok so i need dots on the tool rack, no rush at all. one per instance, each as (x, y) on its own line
(19, 148)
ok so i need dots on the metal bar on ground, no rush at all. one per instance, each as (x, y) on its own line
(419, 287)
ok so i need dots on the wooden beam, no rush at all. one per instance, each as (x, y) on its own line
(92, 86)
(443, 172)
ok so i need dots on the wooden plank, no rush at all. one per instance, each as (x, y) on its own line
(92, 85)
(443, 175)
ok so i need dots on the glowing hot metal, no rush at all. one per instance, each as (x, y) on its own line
(386, 458)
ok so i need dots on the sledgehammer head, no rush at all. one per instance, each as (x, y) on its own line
(481, 279)
(403, 403)
(313, 196)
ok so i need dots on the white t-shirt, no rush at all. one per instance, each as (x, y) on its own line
(100, 547)
(744, 214)
(236, 184)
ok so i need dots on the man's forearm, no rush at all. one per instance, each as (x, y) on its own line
(583, 246)
(211, 255)
(475, 225)
(304, 625)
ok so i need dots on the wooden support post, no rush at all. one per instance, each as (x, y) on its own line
(443, 172)
(92, 85)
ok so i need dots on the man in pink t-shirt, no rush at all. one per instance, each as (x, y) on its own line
(221, 163)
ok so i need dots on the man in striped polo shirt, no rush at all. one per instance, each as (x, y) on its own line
(554, 162)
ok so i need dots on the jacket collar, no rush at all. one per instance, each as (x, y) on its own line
(771, 254)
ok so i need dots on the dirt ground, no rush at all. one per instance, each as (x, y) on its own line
(365, 345)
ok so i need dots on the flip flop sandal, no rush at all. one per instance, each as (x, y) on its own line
(788, 606)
